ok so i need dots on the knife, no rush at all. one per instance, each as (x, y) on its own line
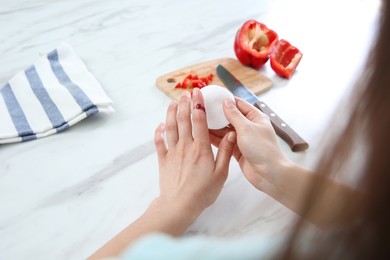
(281, 128)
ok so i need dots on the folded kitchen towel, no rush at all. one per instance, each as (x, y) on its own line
(50, 96)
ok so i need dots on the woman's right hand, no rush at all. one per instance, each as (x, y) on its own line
(269, 170)
(258, 152)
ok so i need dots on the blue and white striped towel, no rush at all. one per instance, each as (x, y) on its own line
(50, 96)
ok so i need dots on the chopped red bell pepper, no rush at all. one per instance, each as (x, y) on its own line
(186, 83)
(198, 83)
(189, 76)
(205, 80)
(253, 43)
(194, 81)
(285, 58)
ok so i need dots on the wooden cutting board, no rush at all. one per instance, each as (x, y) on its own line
(251, 78)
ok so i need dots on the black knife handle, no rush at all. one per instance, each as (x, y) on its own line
(282, 129)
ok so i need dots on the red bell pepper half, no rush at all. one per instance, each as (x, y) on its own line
(285, 58)
(253, 43)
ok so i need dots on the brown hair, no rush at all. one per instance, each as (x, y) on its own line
(368, 124)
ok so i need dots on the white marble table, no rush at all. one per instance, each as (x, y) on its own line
(63, 196)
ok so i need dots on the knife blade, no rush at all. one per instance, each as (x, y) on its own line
(281, 128)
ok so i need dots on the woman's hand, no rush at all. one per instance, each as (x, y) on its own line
(190, 177)
(267, 168)
(258, 152)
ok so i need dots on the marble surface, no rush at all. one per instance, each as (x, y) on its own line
(64, 196)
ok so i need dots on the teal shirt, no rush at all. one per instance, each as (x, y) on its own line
(160, 246)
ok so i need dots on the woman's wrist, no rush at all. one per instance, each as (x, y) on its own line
(287, 182)
(175, 216)
(162, 216)
(272, 178)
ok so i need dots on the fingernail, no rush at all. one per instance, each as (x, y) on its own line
(229, 103)
(173, 103)
(162, 126)
(195, 92)
(231, 137)
(185, 94)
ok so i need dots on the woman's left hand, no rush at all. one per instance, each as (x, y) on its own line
(190, 177)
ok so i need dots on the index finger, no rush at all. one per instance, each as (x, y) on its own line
(250, 112)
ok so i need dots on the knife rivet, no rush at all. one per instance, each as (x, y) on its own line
(283, 124)
(262, 105)
(272, 114)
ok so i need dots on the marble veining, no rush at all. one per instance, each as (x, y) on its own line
(63, 196)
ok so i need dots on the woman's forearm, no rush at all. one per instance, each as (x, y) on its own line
(159, 217)
(292, 186)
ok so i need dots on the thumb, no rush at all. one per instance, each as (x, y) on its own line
(233, 115)
(225, 151)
